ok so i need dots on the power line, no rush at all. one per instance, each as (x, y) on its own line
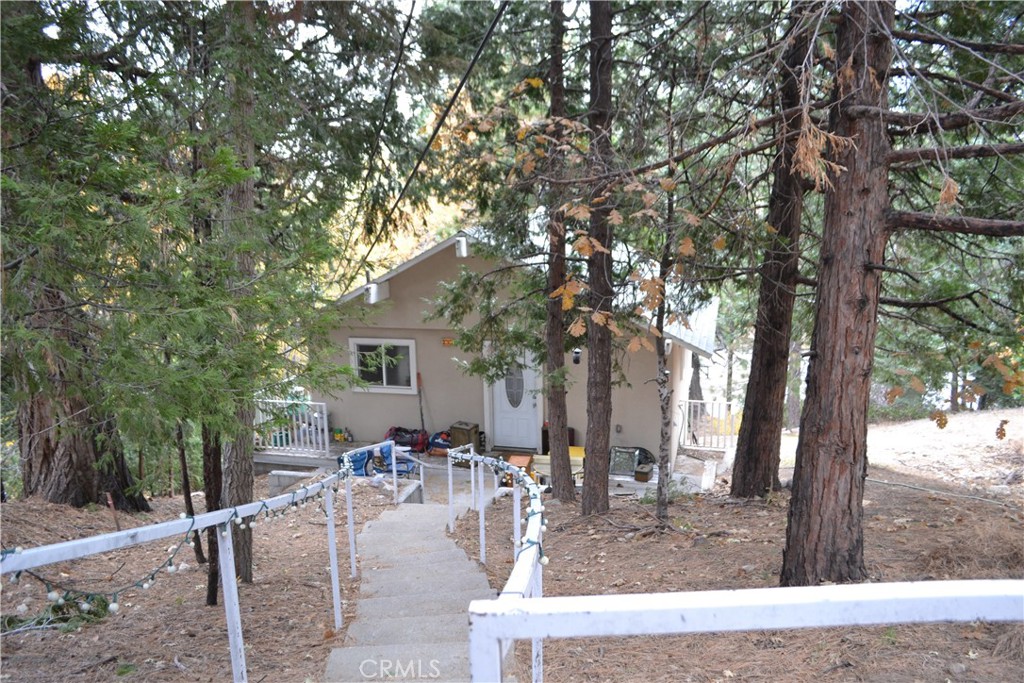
(387, 105)
(437, 128)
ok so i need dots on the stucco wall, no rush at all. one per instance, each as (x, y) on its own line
(450, 396)
(636, 416)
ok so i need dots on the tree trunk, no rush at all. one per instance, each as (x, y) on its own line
(954, 391)
(238, 460)
(112, 468)
(755, 470)
(563, 487)
(824, 538)
(57, 458)
(212, 484)
(186, 486)
(69, 453)
(665, 263)
(695, 392)
(599, 266)
(238, 486)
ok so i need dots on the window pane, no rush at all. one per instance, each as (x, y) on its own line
(514, 387)
(370, 365)
(398, 372)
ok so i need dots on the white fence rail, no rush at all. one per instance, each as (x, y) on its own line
(493, 622)
(298, 427)
(18, 560)
(709, 425)
(521, 612)
(526, 579)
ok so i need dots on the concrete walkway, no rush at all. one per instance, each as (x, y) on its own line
(412, 613)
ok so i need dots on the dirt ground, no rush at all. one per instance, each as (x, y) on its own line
(959, 527)
(167, 633)
(951, 509)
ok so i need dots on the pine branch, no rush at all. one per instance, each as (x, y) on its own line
(742, 129)
(952, 78)
(1002, 48)
(965, 152)
(914, 220)
(935, 303)
(917, 123)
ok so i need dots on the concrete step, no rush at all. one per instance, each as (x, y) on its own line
(404, 534)
(429, 661)
(455, 601)
(383, 547)
(394, 557)
(414, 569)
(416, 510)
(413, 513)
(411, 619)
(398, 582)
(439, 628)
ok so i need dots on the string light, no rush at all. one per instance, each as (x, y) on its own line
(88, 602)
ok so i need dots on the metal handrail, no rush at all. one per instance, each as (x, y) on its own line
(526, 578)
(20, 560)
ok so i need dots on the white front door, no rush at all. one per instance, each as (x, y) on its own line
(516, 421)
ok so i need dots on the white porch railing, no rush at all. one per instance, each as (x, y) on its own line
(298, 427)
(521, 612)
(19, 560)
(708, 424)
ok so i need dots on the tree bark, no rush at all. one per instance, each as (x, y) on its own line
(599, 266)
(755, 470)
(238, 460)
(563, 487)
(665, 263)
(824, 538)
(69, 451)
(911, 220)
(212, 486)
(186, 486)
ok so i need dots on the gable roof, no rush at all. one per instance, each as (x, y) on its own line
(457, 240)
(696, 331)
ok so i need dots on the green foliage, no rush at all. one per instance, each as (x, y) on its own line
(68, 616)
(122, 262)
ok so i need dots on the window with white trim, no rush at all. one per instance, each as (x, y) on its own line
(386, 365)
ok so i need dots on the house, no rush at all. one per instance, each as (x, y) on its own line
(413, 368)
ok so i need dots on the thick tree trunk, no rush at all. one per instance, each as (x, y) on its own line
(599, 265)
(563, 487)
(69, 450)
(238, 487)
(824, 538)
(241, 199)
(57, 458)
(755, 470)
